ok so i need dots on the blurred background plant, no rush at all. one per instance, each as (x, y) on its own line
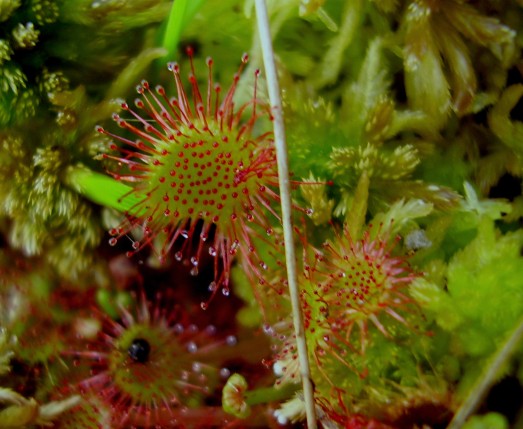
(405, 136)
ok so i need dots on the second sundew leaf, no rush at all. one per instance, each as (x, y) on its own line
(359, 324)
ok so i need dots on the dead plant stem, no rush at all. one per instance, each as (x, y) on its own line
(284, 182)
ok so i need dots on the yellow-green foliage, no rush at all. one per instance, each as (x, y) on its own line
(404, 132)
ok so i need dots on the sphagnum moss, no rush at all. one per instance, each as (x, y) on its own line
(397, 102)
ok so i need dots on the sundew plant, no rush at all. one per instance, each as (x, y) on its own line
(261, 214)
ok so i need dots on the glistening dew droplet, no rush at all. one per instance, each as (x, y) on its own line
(202, 170)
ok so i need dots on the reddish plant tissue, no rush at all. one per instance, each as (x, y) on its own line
(354, 295)
(152, 365)
(351, 284)
(202, 176)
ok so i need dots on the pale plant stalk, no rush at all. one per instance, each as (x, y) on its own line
(487, 379)
(285, 195)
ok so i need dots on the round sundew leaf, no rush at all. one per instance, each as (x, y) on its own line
(150, 363)
(203, 176)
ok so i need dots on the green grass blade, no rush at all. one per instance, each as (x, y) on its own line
(102, 189)
(182, 13)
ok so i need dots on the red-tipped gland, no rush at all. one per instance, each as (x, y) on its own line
(354, 297)
(209, 148)
(151, 364)
(351, 287)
